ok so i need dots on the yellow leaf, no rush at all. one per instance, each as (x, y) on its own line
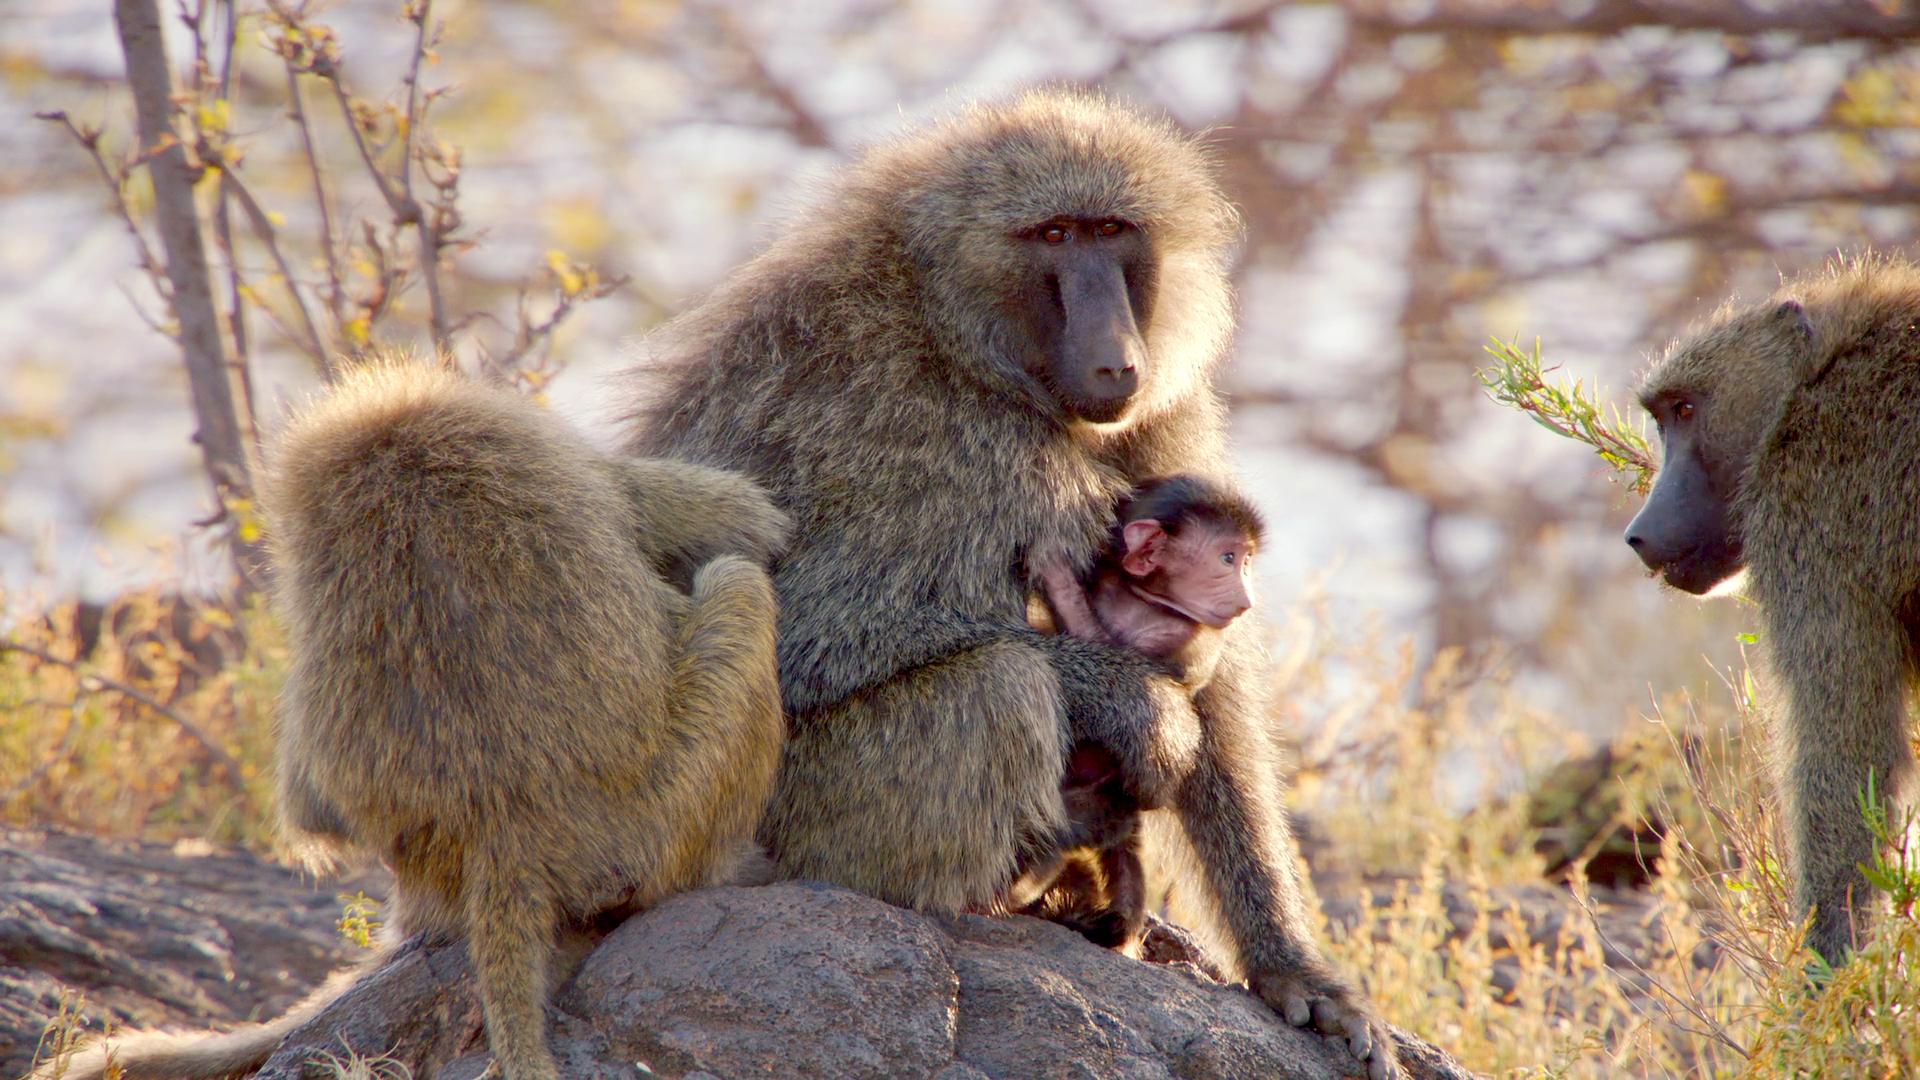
(358, 329)
(278, 219)
(1705, 190)
(215, 116)
(569, 276)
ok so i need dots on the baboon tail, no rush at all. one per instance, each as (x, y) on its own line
(166, 1055)
(726, 690)
(510, 940)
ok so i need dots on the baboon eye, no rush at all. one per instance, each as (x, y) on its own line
(1227, 558)
(1110, 227)
(1055, 234)
(1683, 410)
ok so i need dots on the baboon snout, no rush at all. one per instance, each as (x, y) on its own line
(1657, 535)
(1116, 367)
(1684, 533)
(1649, 555)
(1221, 601)
(1101, 355)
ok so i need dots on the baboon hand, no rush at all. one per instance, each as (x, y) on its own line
(1310, 998)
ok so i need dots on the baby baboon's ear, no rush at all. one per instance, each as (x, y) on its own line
(1146, 544)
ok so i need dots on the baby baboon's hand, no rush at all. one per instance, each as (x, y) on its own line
(1313, 998)
(1053, 572)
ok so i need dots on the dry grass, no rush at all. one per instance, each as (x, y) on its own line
(351, 1065)
(1700, 975)
(66, 1031)
(1407, 777)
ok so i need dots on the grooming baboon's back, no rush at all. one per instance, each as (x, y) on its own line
(495, 689)
(983, 336)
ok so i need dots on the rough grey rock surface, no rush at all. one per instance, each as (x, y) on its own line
(156, 935)
(803, 980)
(791, 980)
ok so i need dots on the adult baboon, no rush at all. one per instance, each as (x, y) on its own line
(969, 349)
(496, 688)
(1792, 449)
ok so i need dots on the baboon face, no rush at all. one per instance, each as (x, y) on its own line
(1085, 294)
(1714, 398)
(1203, 570)
(1685, 531)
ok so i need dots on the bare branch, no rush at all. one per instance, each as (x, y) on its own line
(806, 126)
(529, 335)
(89, 140)
(263, 228)
(298, 111)
(435, 227)
(421, 15)
(242, 362)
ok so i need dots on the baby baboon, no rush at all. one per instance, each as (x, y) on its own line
(1175, 572)
(496, 689)
(1791, 434)
(984, 335)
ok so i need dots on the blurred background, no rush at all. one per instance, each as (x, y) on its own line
(1415, 177)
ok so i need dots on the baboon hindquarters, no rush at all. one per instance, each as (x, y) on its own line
(920, 791)
(495, 690)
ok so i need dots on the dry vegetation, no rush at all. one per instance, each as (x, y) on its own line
(1436, 888)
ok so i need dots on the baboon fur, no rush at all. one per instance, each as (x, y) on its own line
(1811, 403)
(864, 370)
(496, 688)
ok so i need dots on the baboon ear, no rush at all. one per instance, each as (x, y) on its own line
(1146, 547)
(1792, 320)
(1790, 314)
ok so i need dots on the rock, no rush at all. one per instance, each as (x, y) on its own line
(807, 980)
(155, 935)
(789, 980)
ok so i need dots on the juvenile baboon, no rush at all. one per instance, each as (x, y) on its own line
(981, 338)
(496, 689)
(1791, 434)
(1173, 574)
